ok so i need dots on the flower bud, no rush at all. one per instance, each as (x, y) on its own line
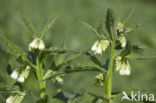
(14, 74)
(25, 72)
(59, 79)
(99, 79)
(120, 27)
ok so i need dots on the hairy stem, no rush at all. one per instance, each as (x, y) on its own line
(40, 77)
(109, 77)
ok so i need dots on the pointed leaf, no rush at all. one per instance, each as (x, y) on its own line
(111, 24)
(94, 59)
(12, 48)
(29, 27)
(131, 29)
(92, 29)
(48, 26)
(99, 97)
(127, 49)
(74, 69)
(54, 50)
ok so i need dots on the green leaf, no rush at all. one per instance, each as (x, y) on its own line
(111, 24)
(131, 29)
(94, 59)
(141, 53)
(99, 96)
(74, 69)
(71, 58)
(92, 29)
(127, 49)
(55, 100)
(100, 30)
(141, 57)
(25, 61)
(43, 100)
(29, 26)
(28, 98)
(139, 49)
(12, 48)
(55, 50)
(10, 89)
(67, 97)
(59, 60)
(79, 68)
(48, 26)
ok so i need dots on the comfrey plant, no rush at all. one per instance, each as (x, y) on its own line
(35, 62)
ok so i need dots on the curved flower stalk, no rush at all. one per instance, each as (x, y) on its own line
(122, 65)
(99, 46)
(21, 76)
(17, 98)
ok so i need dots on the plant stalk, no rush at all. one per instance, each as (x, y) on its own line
(109, 77)
(39, 76)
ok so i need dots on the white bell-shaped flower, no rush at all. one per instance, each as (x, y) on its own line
(122, 66)
(99, 46)
(37, 44)
(32, 45)
(14, 74)
(21, 78)
(41, 46)
(9, 99)
(98, 50)
(94, 47)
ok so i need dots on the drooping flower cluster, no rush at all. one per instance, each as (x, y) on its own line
(122, 66)
(99, 79)
(99, 46)
(37, 44)
(17, 98)
(121, 39)
(20, 76)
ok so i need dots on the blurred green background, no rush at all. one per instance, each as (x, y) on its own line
(69, 13)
